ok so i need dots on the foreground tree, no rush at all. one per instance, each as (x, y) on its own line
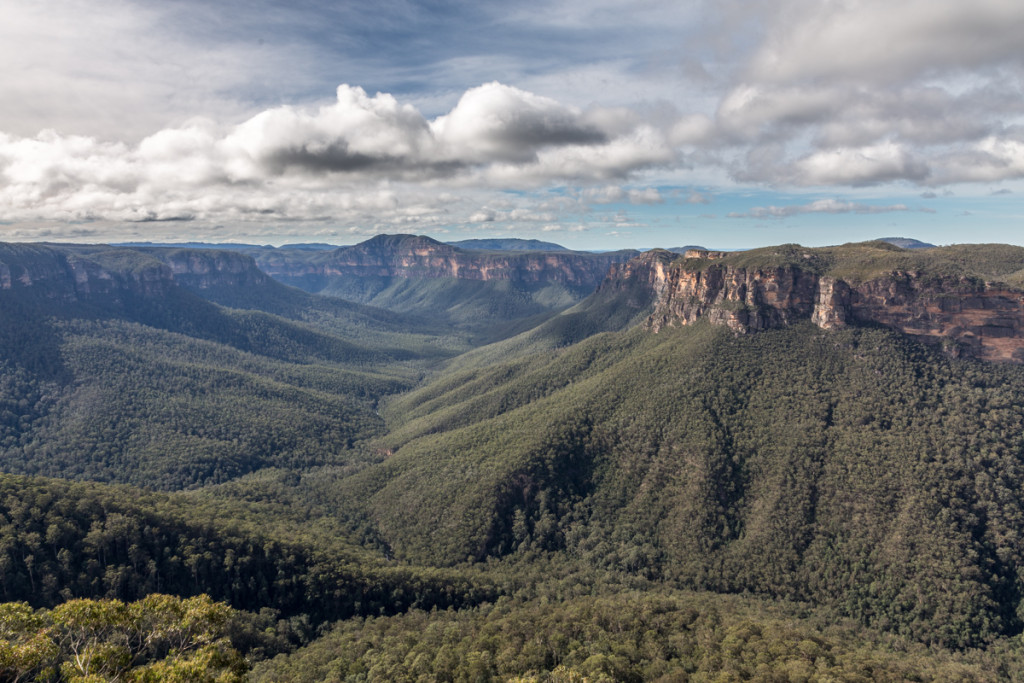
(158, 638)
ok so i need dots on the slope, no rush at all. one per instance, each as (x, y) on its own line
(109, 370)
(60, 540)
(233, 280)
(851, 468)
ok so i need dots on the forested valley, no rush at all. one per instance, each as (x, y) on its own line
(208, 475)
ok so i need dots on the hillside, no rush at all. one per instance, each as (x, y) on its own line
(113, 371)
(842, 468)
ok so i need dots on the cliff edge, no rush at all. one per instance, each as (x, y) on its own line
(950, 297)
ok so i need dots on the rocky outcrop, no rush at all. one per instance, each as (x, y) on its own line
(207, 269)
(965, 316)
(968, 317)
(743, 299)
(641, 279)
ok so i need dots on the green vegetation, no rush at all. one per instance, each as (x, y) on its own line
(155, 408)
(631, 636)
(866, 260)
(485, 308)
(158, 638)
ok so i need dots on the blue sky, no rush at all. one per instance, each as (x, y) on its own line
(600, 124)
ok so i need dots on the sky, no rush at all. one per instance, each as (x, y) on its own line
(596, 124)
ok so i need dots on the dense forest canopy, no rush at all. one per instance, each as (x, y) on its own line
(327, 490)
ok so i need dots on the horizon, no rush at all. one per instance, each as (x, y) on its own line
(595, 125)
(198, 244)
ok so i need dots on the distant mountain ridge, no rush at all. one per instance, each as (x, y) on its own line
(418, 256)
(418, 274)
(507, 244)
(906, 242)
(220, 246)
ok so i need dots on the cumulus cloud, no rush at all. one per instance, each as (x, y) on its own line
(360, 153)
(990, 160)
(495, 122)
(355, 134)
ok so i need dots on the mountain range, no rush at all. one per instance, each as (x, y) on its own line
(407, 459)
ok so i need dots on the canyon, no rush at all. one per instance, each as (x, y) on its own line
(416, 257)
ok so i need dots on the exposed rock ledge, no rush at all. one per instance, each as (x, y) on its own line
(966, 316)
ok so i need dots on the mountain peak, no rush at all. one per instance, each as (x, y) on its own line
(401, 243)
(906, 242)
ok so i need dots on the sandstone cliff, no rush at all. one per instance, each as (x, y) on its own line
(207, 268)
(963, 313)
(68, 275)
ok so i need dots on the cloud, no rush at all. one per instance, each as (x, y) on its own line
(858, 166)
(355, 134)
(834, 206)
(483, 217)
(990, 160)
(495, 122)
(171, 111)
(123, 68)
(613, 194)
(884, 42)
(358, 154)
(860, 92)
(560, 227)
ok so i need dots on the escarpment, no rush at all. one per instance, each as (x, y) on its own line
(69, 276)
(207, 269)
(418, 257)
(964, 314)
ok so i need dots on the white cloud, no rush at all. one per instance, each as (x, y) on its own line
(122, 69)
(858, 166)
(990, 160)
(495, 122)
(359, 154)
(859, 92)
(613, 194)
(833, 206)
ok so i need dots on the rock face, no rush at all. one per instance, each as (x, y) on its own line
(69, 276)
(969, 317)
(418, 257)
(208, 269)
(966, 316)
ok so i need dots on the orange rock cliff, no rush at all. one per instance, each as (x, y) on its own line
(965, 316)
